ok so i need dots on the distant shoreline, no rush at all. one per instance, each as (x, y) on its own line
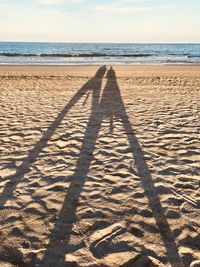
(98, 65)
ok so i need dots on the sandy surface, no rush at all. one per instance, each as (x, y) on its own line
(100, 166)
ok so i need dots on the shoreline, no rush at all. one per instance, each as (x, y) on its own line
(131, 67)
(98, 65)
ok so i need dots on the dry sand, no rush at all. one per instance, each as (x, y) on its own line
(100, 166)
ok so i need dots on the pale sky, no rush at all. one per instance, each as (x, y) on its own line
(100, 20)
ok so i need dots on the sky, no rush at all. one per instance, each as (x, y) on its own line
(140, 21)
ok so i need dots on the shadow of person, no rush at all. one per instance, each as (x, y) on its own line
(58, 244)
(110, 106)
(117, 109)
(94, 85)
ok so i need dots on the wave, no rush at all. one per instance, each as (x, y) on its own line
(194, 56)
(73, 55)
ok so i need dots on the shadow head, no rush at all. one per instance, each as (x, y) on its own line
(101, 72)
(111, 73)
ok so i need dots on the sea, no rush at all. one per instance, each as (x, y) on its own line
(35, 53)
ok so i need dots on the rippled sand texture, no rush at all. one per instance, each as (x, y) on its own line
(100, 166)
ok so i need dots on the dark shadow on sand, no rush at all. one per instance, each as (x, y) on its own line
(24, 168)
(110, 105)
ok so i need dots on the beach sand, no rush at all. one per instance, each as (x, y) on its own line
(100, 166)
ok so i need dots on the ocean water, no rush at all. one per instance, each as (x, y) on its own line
(92, 54)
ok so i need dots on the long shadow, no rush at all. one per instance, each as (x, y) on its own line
(117, 109)
(111, 105)
(60, 235)
(24, 168)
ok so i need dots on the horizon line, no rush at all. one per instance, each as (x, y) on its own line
(104, 42)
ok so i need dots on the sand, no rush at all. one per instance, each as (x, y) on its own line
(100, 166)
